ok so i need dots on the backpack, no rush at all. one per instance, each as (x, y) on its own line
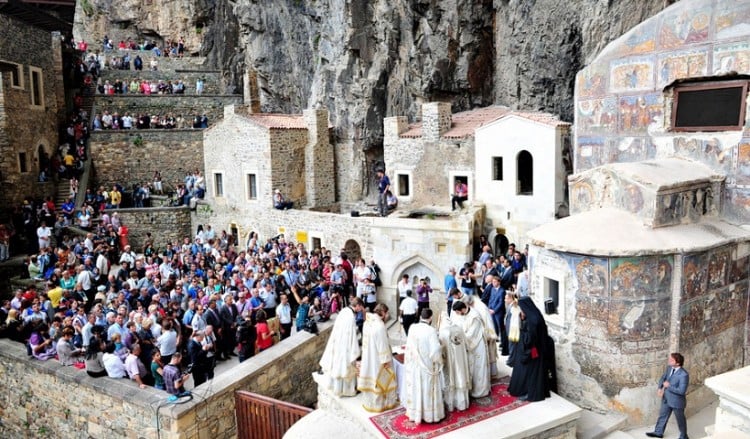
(375, 272)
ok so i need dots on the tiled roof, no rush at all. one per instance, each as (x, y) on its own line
(463, 123)
(466, 122)
(278, 121)
(543, 118)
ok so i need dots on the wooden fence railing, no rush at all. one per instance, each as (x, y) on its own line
(261, 417)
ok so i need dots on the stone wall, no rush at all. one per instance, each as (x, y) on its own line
(166, 224)
(212, 81)
(186, 105)
(429, 166)
(319, 160)
(43, 399)
(116, 159)
(37, 398)
(25, 128)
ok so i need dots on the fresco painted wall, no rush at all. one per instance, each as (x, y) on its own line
(626, 314)
(622, 111)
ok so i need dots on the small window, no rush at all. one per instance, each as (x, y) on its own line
(551, 295)
(252, 187)
(709, 106)
(218, 185)
(16, 76)
(23, 167)
(525, 172)
(37, 87)
(497, 168)
(315, 243)
(404, 189)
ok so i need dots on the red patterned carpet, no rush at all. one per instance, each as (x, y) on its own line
(395, 425)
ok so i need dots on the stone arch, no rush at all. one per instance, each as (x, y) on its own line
(524, 173)
(500, 243)
(352, 250)
(417, 266)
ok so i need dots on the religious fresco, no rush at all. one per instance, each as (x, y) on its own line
(739, 270)
(631, 74)
(684, 26)
(732, 23)
(718, 268)
(640, 277)
(638, 320)
(636, 113)
(709, 151)
(712, 315)
(596, 115)
(632, 149)
(694, 276)
(640, 40)
(736, 203)
(733, 57)
(592, 308)
(743, 162)
(591, 152)
(581, 195)
(630, 196)
(680, 65)
(591, 273)
(591, 82)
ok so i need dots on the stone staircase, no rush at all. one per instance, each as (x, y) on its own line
(131, 156)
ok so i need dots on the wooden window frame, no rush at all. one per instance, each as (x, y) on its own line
(713, 85)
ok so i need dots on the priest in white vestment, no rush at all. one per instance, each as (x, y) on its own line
(377, 380)
(476, 347)
(490, 336)
(339, 358)
(423, 364)
(456, 376)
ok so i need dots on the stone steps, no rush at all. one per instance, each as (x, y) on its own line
(597, 426)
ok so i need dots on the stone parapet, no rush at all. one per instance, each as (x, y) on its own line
(186, 105)
(38, 400)
(733, 412)
(166, 224)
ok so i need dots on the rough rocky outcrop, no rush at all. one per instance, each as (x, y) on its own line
(364, 60)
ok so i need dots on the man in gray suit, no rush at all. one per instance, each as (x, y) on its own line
(673, 386)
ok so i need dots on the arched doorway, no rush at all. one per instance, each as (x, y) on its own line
(352, 250)
(501, 244)
(525, 173)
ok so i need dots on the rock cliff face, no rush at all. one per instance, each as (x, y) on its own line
(368, 59)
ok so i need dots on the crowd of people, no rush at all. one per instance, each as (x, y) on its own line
(170, 48)
(152, 314)
(445, 366)
(144, 121)
(147, 87)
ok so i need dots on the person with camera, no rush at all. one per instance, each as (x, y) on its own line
(174, 379)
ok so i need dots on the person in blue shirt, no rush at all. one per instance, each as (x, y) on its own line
(449, 283)
(384, 186)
